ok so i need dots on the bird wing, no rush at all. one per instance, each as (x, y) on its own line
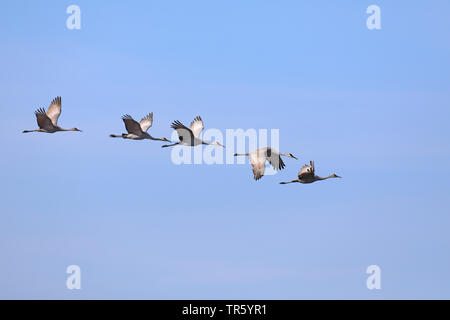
(274, 158)
(132, 125)
(307, 170)
(197, 126)
(258, 164)
(146, 122)
(54, 110)
(44, 122)
(184, 133)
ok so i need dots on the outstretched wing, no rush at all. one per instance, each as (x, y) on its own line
(258, 165)
(184, 133)
(146, 122)
(43, 120)
(197, 126)
(54, 110)
(306, 171)
(132, 125)
(274, 158)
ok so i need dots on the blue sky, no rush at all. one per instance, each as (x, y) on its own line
(372, 106)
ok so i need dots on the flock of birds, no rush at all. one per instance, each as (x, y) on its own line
(48, 122)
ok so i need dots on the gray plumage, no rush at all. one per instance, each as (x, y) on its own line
(48, 120)
(137, 130)
(190, 136)
(259, 157)
(307, 175)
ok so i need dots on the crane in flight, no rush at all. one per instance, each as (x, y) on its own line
(48, 121)
(190, 136)
(259, 157)
(138, 130)
(307, 175)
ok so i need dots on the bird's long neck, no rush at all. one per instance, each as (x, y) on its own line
(214, 143)
(71, 129)
(147, 136)
(325, 178)
(289, 155)
(159, 139)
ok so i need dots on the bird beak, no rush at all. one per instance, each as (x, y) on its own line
(338, 176)
(294, 157)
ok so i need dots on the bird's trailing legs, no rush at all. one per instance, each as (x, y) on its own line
(35, 130)
(293, 181)
(116, 136)
(169, 145)
(241, 154)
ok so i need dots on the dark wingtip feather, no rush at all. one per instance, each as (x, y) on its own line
(56, 100)
(40, 111)
(176, 125)
(281, 165)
